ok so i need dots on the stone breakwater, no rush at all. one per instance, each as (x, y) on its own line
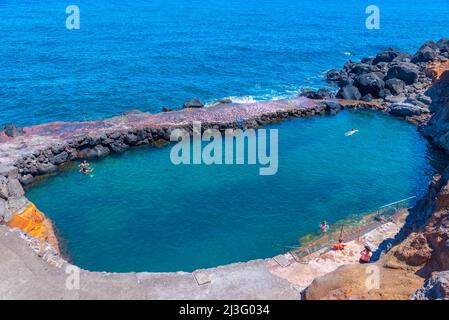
(42, 149)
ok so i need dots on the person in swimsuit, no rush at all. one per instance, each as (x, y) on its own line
(365, 255)
(324, 227)
(84, 167)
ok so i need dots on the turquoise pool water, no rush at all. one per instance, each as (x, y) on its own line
(139, 212)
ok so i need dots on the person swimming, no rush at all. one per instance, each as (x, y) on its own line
(85, 167)
(350, 133)
(324, 226)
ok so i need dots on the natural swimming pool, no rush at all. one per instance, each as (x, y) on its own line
(139, 212)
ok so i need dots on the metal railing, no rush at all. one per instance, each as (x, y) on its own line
(349, 229)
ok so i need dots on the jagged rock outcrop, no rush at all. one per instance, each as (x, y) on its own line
(391, 77)
(423, 250)
(435, 288)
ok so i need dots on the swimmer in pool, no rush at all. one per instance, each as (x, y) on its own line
(85, 167)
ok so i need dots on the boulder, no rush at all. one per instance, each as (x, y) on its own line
(224, 101)
(46, 168)
(426, 53)
(15, 205)
(60, 158)
(405, 71)
(369, 83)
(416, 102)
(26, 179)
(362, 68)
(443, 45)
(8, 171)
(118, 147)
(396, 86)
(368, 97)
(333, 75)
(15, 188)
(13, 131)
(166, 109)
(406, 110)
(318, 95)
(388, 55)
(193, 103)
(349, 92)
(434, 288)
(384, 93)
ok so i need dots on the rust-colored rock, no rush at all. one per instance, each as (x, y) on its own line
(34, 222)
(354, 282)
(437, 70)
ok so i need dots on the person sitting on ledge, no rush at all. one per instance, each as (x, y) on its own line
(365, 255)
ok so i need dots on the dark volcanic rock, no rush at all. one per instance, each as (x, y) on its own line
(384, 93)
(349, 92)
(26, 179)
(443, 45)
(388, 55)
(193, 103)
(396, 86)
(96, 152)
(12, 130)
(407, 72)
(46, 168)
(426, 53)
(368, 97)
(320, 94)
(369, 83)
(435, 288)
(60, 158)
(406, 110)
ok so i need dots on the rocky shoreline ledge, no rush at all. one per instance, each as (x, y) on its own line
(390, 82)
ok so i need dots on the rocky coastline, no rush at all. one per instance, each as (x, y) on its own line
(414, 87)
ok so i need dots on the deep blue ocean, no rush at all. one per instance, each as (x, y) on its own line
(149, 54)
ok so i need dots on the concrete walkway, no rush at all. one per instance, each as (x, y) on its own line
(25, 275)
